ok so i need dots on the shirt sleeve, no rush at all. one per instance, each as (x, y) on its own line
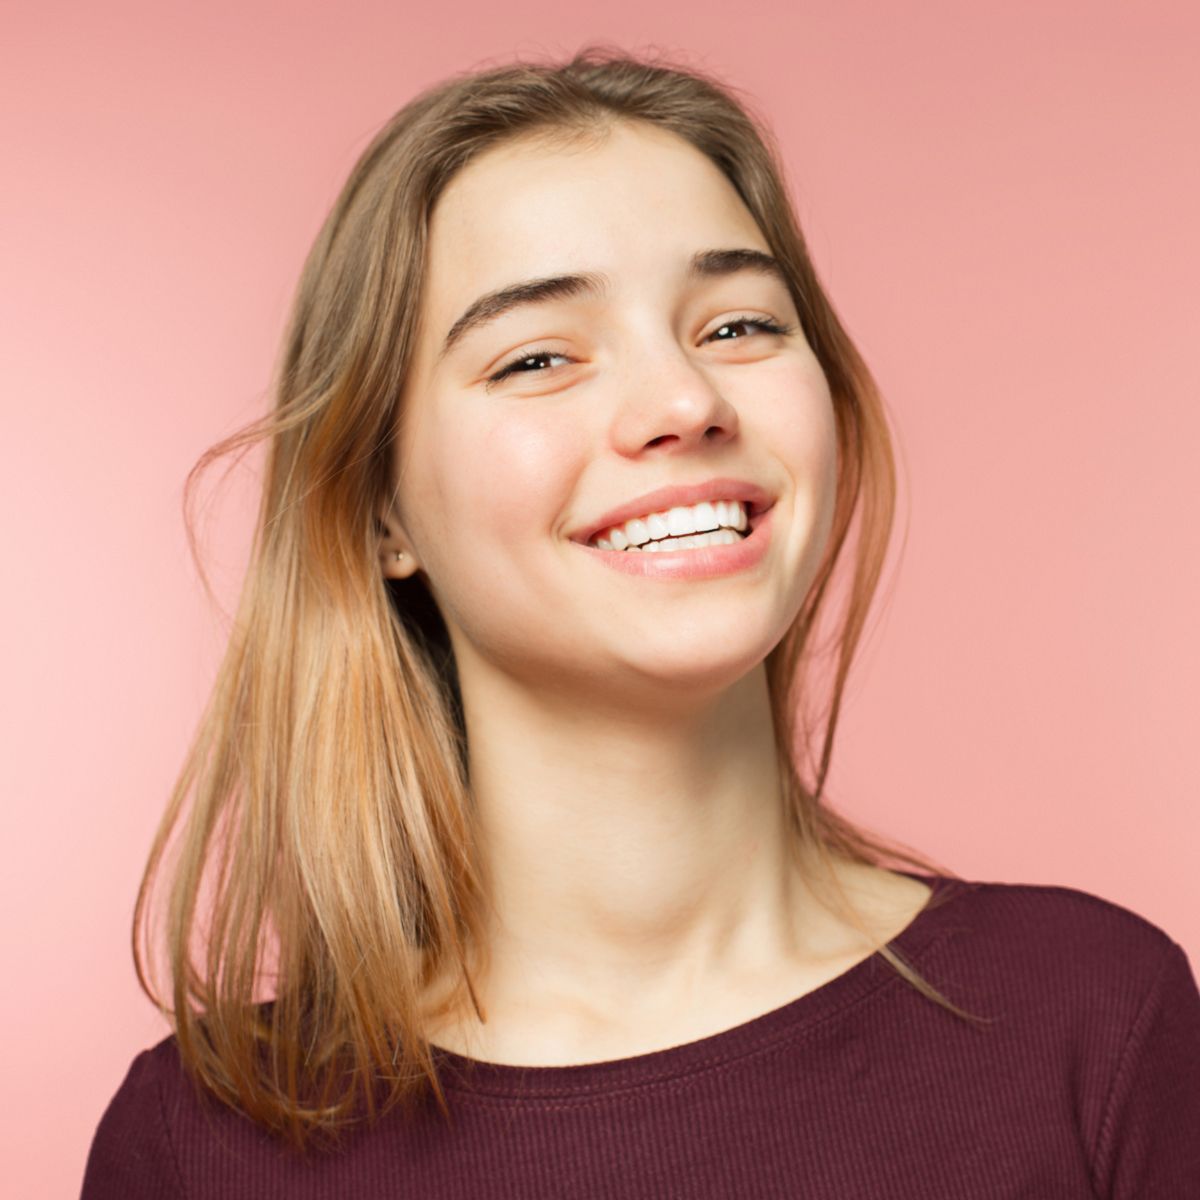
(131, 1156)
(1149, 1142)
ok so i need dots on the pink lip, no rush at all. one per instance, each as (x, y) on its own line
(672, 497)
(705, 563)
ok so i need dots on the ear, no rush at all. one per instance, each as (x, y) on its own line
(396, 557)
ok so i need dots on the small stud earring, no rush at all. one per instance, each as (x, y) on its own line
(399, 555)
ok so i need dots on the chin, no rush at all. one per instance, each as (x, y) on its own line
(703, 668)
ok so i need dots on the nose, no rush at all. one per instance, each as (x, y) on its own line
(673, 406)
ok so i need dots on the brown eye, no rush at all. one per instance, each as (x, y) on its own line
(514, 367)
(766, 326)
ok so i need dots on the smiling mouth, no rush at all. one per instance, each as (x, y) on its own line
(691, 527)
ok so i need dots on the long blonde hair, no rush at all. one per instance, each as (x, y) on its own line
(327, 854)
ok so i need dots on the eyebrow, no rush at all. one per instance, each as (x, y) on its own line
(705, 264)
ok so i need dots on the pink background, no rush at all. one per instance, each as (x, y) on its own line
(1002, 199)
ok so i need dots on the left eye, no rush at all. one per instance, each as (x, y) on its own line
(765, 325)
(518, 365)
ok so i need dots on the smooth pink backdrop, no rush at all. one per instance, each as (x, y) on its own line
(1002, 200)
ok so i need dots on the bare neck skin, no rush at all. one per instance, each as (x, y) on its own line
(643, 888)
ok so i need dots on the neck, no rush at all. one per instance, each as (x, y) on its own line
(627, 855)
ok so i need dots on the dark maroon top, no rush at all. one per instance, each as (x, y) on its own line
(1085, 1084)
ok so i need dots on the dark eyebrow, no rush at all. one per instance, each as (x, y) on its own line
(707, 264)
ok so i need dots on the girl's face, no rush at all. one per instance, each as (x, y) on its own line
(538, 419)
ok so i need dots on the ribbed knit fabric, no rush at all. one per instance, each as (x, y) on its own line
(1086, 1083)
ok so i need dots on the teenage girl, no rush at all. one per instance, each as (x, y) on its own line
(501, 864)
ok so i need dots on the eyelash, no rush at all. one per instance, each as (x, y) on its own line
(510, 368)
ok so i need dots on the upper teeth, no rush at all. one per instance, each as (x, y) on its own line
(674, 522)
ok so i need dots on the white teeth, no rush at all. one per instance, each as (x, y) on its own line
(678, 522)
(719, 537)
(705, 516)
(636, 531)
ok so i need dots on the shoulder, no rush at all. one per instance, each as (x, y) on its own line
(132, 1153)
(1089, 989)
(1041, 920)
(1056, 953)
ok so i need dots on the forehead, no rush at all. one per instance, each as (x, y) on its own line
(639, 200)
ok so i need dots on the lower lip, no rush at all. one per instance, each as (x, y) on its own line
(708, 562)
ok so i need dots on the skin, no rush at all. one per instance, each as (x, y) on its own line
(621, 756)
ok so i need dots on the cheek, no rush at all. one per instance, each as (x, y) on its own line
(800, 425)
(508, 478)
(493, 496)
(536, 458)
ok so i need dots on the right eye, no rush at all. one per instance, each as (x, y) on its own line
(514, 366)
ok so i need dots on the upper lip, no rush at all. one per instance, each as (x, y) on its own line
(678, 495)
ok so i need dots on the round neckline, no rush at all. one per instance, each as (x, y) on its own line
(459, 1072)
